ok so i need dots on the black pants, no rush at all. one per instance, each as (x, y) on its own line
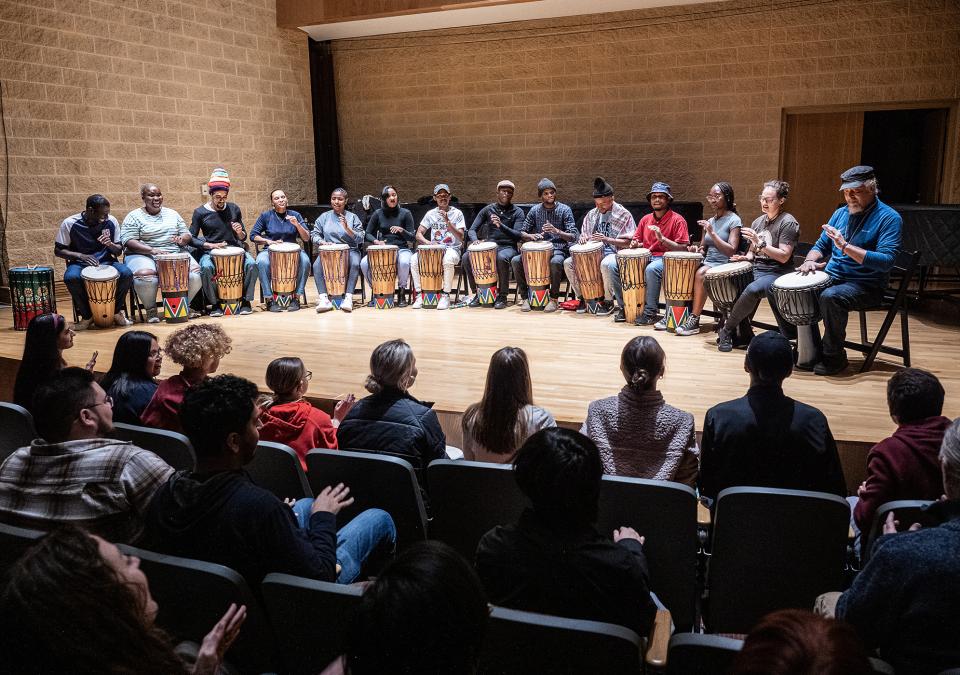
(504, 255)
(556, 274)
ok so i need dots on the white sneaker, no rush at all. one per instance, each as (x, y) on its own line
(323, 304)
(444, 302)
(152, 316)
(418, 303)
(689, 327)
(82, 324)
(347, 304)
(661, 324)
(120, 319)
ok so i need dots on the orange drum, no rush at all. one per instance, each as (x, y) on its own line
(483, 261)
(284, 262)
(335, 258)
(536, 266)
(173, 270)
(430, 262)
(228, 273)
(632, 263)
(679, 271)
(586, 265)
(382, 259)
(101, 284)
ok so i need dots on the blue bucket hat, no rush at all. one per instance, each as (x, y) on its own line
(660, 187)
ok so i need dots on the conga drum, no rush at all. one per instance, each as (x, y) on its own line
(586, 265)
(632, 263)
(483, 261)
(284, 264)
(32, 294)
(173, 270)
(101, 285)
(430, 263)
(382, 259)
(535, 256)
(228, 273)
(679, 271)
(724, 284)
(335, 259)
(798, 300)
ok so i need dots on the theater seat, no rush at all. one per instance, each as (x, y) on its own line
(698, 654)
(172, 447)
(906, 511)
(16, 428)
(276, 467)
(14, 541)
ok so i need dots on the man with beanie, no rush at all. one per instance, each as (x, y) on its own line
(443, 225)
(612, 225)
(661, 231)
(218, 224)
(550, 221)
(767, 439)
(500, 223)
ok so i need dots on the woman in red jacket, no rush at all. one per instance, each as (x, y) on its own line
(287, 418)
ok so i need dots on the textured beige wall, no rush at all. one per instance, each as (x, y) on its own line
(690, 95)
(103, 96)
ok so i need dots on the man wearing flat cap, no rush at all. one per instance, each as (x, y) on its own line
(443, 225)
(857, 249)
(500, 223)
(550, 221)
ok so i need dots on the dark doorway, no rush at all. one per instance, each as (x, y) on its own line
(906, 147)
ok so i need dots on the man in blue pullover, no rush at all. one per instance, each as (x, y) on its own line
(857, 249)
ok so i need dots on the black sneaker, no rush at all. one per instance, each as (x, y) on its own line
(293, 306)
(582, 307)
(500, 303)
(401, 299)
(725, 342)
(619, 316)
(216, 311)
(604, 308)
(475, 302)
(646, 319)
(274, 307)
(245, 308)
(831, 366)
(372, 303)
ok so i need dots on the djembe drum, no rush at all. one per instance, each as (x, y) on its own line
(536, 267)
(32, 294)
(483, 261)
(382, 259)
(430, 264)
(228, 273)
(798, 300)
(632, 263)
(173, 270)
(284, 264)
(679, 271)
(586, 265)
(101, 284)
(724, 284)
(335, 259)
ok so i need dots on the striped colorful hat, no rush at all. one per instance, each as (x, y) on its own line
(219, 180)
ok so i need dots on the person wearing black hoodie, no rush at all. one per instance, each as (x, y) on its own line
(500, 222)
(219, 515)
(392, 224)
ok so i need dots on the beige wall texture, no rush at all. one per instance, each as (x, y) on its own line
(690, 95)
(103, 96)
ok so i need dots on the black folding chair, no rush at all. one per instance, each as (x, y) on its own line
(14, 542)
(172, 447)
(16, 429)
(906, 511)
(276, 467)
(699, 654)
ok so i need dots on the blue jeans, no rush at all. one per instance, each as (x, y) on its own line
(371, 530)
(653, 277)
(78, 290)
(836, 303)
(263, 265)
(208, 269)
(746, 305)
(351, 273)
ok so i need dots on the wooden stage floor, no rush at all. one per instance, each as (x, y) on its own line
(574, 359)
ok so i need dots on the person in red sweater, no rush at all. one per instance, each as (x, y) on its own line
(198, 349)
(906, 465)
(287, 418)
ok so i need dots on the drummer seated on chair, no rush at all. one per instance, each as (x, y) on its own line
(550, 221)
(857, 248)
(218, 224)
(661, 231)
(337, 226)
(92, 238)
(391, 225)
(443, 225)
(612, 225)
(498, 222)
(149, 231)
(275, 226)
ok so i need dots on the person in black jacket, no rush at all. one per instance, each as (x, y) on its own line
(390, 420)
(219, 515)
(501, 223)
(553, 560)
(392, 224)
(766, 439)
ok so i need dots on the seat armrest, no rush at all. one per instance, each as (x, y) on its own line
(658, 641)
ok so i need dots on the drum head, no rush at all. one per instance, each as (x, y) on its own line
(172, 256)
(333, 247)
(227, 251)
(589, 247)
(683, 255)
(26, 270)
(537, 246)
(284, 247)
(431, 247)
(795, 280)
(382, 247)
(730, 268)
(100, 273)
(480, 246)
(634, 253)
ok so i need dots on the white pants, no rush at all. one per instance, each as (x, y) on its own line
(605, 273)
(146, 282)
(450, 259)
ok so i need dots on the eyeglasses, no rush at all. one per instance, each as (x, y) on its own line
(106, 401)
(308, 376)
(767, 200)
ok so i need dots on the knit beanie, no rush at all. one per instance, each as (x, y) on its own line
(602, 188)
(545, 184)
(219, 180)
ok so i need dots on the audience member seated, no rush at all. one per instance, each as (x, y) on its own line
(390, 419)
(907, 464)
(131, 381)
(288, 418)
(797, 642)
(47, 336)
(767, 439)
(505, 417)
(198, 348)
(553, 560)
(76, 604)
(638, 434)
(218, 514)
(74, 473)
(425, 613)
(904, 601)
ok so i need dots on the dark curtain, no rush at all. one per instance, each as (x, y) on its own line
(326, 134)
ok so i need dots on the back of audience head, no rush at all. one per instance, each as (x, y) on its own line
(798, 642)
(392, 366)
(219, 416)
(136, 357)
(199, 346)
(507, 391)
(71, 405)
(560, 471)
(642, 363)
(74, 603)
(950, 460)
(769, 358)
(913, 395)
(285, 376)
(425, 613)
(47, 336)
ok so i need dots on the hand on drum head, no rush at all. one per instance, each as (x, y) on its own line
(89, 260)
(596, 236)
(736, 257)
(379, 242)
(809, 266)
